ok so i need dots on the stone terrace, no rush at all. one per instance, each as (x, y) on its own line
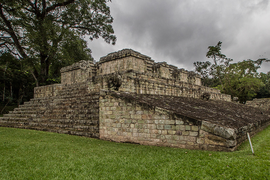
(127, 97)
(177, 121)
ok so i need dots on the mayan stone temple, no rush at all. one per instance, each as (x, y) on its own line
(127, 97)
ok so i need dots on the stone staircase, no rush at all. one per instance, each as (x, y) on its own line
(72, 111)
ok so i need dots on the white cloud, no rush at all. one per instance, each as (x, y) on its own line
(179, 32)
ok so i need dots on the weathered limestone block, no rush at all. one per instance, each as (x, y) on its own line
(263, 103)
(227, 133)
(47, 91)
(77, 72)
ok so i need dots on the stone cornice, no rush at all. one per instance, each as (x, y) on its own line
(123, 53)
(78, 65)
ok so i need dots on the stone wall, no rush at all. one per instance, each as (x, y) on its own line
(263, 103)
(141, 83)
(127, 59)
(77, 72)
(120, 65)
(135, 72)
(123, 121)
(47, 91)
(129, 121)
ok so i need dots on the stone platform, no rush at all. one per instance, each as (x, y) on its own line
(127, 97)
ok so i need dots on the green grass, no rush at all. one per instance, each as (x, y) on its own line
(28, 154)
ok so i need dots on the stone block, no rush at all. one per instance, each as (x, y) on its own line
(146, 131)
(109, 112)
(200, 140)
(141, 121)
(149, 121)
(164, 132)
(215, 140)
(194, 128)
(227, 133)
(167, 127)
(193, 133)
(127, 121)
(187, 127)
(179, 122)
(185, 133)
(152, 126)
(144, 116)
(169, 122)
(171, 132)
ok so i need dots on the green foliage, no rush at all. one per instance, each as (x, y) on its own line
(28, 154)
(16, 83)
(238, 80)
(241, 80)
(264, 91)
(212, 74)
(45, 34)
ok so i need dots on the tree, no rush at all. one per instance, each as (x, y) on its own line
(264, 91)
(37, 30)
(16, 83)
(220, 61)
(238, 79)
(242, 80)
(212, 74)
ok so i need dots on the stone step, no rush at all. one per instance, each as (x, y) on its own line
(7, 123)
(32, 105)
(77, 117)
(19, 111)
(20, 115)
(81, 130)
(65, 121)
(23, 119)
(79, 124)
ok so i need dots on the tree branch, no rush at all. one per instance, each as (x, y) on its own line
(59, 5)
(12, 33)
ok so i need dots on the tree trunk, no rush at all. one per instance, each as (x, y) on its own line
(44, 69)
(4, 89)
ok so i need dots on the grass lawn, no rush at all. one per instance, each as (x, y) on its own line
(28, 154)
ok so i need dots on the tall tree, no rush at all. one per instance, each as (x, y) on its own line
(36, 30)
(220, 61)
(212, 74)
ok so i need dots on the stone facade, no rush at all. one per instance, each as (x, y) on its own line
(145, 120)
(127, 97)
(123, 121)
(263, 103)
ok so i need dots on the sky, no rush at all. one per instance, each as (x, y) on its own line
(180, 31)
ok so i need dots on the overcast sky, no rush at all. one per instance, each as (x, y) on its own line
(180, 31)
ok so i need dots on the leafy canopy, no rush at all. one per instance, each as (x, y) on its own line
(238, 79)
(40, 31)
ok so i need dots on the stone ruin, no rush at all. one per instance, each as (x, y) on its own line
(127, 97)
(263, 103)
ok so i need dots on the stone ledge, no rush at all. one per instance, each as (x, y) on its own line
(121, 54)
